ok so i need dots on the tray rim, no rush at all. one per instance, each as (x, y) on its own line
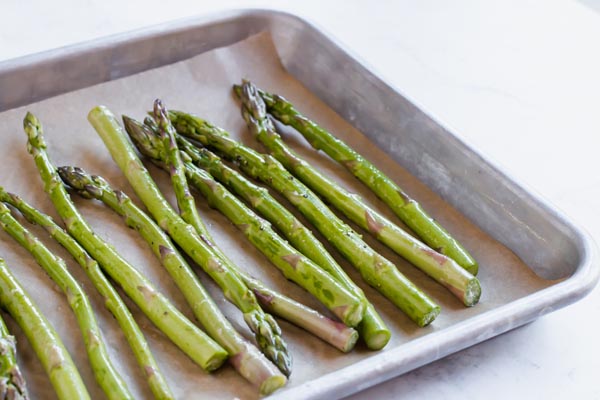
(407, 356)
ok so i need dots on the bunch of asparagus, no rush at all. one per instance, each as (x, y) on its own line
(179, 143)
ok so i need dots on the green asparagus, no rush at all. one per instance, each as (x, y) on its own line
(335, 333)
(198, 248)
(277, 351)
(372, 328)
(113, 302)
(191, 340)
(12, 383)
(375, 269)
(106, 375)
(326, 329)
(244, 357)
(441, 268)
(294, 265)
(46, 343)
(406, 208)
(376, 334)
(91, 186)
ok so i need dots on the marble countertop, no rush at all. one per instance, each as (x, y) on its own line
(516, 79)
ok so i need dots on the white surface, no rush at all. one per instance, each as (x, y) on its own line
(516, 79)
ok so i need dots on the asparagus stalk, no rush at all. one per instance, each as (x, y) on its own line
(247, 360)
(443, 269)
(375, 331)
(185, 200)
(372, 328)
(106, 375)
(45, 341)
(335, 333)
(326, 329)
(191, 340)
(198, 248)
(407, 209)
(277, 351)
(12, 383)
(91, 186)
(294, 265)
(375, 269)
(113, 302)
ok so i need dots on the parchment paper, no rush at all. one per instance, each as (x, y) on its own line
(202, 85)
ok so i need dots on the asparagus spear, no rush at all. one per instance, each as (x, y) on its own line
(191, 340)
(372, 328)
(198, 248)
(276, 350)
(12, 383)
(45, 341)
(251, 364)
(375, 332)
(375, 269)
(406, 208)
(91, 186)
(443, 269)
(294, 265)
(113, 301)
(106, 375)
(335, 333)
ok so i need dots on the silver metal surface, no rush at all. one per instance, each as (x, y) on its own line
(488, 197)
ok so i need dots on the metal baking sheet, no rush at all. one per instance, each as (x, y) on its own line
(532, 259)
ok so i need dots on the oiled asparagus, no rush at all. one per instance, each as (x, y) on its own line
(46, 343)
(372, 329)
(441, 268)
(198, 248)
(114, 303)
(275, 349)
(294, 265)
(406, 208)
(247, 360)
(107, 377)
(375, 269)
(189, 338)
(12, 383)
(375, 332)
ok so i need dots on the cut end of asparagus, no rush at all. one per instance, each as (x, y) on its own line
(351, 314)
(429, 317)
(472, 293)
(272, 384)
(377, 340)
(351, 340)
(216, 361)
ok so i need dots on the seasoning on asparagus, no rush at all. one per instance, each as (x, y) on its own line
(375, 269)
(12, 383)
(146, 139)
(91, 186)
(294, 265)
(406, 208)
(441, 268)
(46, 343)
(372, 329)
(114, 303)
(247, 360)
(197, 247)
(107, 377)
(182, 332)
(276, 350)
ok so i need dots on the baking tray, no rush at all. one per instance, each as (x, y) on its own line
(550, 245)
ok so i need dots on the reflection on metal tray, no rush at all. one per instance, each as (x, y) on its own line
(541, 237)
